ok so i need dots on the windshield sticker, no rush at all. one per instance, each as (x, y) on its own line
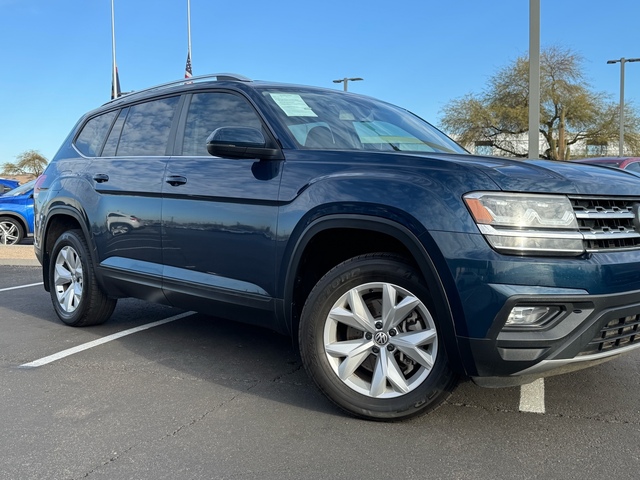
(293, 105)
(345, 115)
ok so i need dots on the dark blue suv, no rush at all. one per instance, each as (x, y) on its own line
(398, 261)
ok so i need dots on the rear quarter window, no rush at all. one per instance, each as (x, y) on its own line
(92, 136)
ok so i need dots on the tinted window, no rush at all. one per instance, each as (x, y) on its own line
(605, 163)
(634, 167)
(110, 147)
(92, 136)
(146, 129)
(209, 111)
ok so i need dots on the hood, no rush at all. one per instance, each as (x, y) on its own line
(554, 176)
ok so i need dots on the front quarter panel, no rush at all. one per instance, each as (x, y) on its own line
(429, 191)
(410, 198)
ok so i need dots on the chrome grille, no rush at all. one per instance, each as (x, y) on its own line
(607, 223)
(618, 333)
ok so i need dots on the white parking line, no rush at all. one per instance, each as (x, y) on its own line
(21, 286)
(100, 341)
(532, 397)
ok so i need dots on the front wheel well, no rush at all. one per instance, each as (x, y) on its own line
(330, 248)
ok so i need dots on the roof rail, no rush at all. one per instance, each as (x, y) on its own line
(219, 77)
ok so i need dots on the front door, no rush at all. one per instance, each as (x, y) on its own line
(219, 217)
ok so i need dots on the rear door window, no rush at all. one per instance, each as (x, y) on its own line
(147, 127)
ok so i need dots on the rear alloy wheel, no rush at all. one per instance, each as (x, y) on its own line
(76, 296)
(11, 231)
(369, 339)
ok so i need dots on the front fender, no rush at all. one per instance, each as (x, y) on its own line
(418, 248)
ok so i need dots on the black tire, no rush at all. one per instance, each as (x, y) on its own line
(11, 231)
(375, 366)
(76, 296)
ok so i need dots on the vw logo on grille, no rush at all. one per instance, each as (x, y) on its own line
(381, 338)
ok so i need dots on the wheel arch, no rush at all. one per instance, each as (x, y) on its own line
(59, 220)
(19, 218)
(311, 258)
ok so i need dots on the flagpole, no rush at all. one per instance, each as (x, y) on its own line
(189, 35)
(114, 86)
(189, 23)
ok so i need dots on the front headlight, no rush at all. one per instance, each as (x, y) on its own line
(526, 224)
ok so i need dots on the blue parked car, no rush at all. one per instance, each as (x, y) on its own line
(16, 214)
(7, 184)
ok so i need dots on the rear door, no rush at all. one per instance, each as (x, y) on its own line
(128, 179)
(219, 216)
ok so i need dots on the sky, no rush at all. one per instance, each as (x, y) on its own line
(55, 55)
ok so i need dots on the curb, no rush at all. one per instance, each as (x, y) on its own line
(18, 255)
(19, 262)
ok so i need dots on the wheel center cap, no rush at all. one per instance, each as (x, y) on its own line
(381, 338)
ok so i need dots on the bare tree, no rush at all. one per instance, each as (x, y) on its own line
(30, 162)
(570, 111)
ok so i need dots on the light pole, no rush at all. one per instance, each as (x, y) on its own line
(534, 79)
(346, 80)
(622, 61)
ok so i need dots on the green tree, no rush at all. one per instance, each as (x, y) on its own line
(30, 162)
(570, 112)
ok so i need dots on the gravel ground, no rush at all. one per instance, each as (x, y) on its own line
(18, 255)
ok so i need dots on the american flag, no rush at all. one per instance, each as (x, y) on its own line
(187, 71)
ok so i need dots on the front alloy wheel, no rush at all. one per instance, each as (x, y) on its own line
(370, 340)
(380, 340)
(11, 231)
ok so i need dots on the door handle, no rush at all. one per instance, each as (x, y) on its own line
(175, 180)
(101, 177)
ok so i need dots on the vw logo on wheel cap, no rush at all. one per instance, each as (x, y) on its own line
(381, 338)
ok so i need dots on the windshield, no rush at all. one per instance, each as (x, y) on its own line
(604, 163)
(324, 120)
(21, 190)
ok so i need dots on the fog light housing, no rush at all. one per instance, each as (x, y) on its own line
(531, 316)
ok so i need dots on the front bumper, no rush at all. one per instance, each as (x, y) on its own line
(590, 330)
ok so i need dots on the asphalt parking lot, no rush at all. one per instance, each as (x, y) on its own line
(198, 397)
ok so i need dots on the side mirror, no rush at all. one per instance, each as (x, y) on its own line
(241, 142)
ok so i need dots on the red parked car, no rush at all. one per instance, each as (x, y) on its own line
(625, 163)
